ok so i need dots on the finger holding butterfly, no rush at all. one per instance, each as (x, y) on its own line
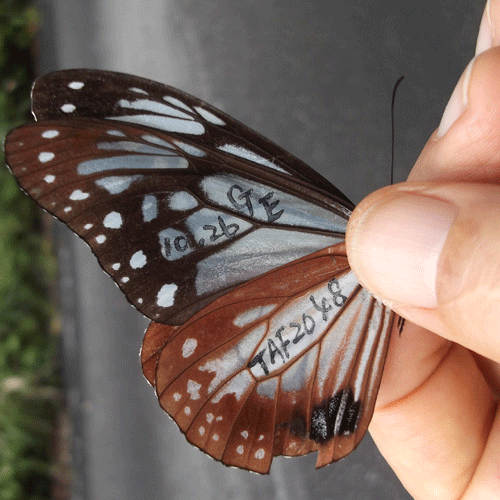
(430, 249)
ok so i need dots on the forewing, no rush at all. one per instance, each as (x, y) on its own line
(285, 364)
(126, 98)
(174, 225)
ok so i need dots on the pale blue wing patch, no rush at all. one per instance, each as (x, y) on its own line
(182, 201)
(113, 220)
(249, 155)
(131, 162)
(189, 149)
(164, 123)
(210, 227)
(232, 361)
(117, 184)
(68, 108)
(297, 377)
(149, 208)
(300, 325)
(174, 244)
(76, 85)
(45, 156)
(166, 295)
(264, 204)
(254, 314)
(210, 117)
(78, 195)
(50, 134)
(138, 260)
(115, 133)
(153, 107)
(178, 103)
(256, 253)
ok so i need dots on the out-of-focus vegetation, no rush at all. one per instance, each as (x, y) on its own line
(29, 393)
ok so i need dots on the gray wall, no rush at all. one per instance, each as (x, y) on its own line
(316, 77)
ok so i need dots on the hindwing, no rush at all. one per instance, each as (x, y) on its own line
(285, 364)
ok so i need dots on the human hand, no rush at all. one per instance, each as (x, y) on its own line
(431, 250)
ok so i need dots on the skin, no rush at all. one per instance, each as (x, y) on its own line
(437, 420)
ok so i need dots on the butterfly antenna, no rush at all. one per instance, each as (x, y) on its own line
(396, 85)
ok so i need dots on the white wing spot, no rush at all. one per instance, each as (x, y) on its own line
(165, 297)
(249, 155)
(233, 360)
(88, 226)
(177, 102)
(139, 301)
(245, 434)
(210, 117)
(182, 201)
(187, 410)
(193, 389)
(177, 396)
(138, 260)
(218, 419)
(49, 179)
(201, 430)
(125, 279)
(138, 91)
(215, 437)
(240, 449)
(100, 239)
(68, 108)
(172, 120)
(261, 437)
(50, 134)
(191, 150)
(149, 208)
(76, 85)
(116, 266)
(115, 133)
(210, 417)
(45, 156)
(78, 195)
(117, 184)
(113, 220)
(67, 209)
(260, 453)
(188, 347)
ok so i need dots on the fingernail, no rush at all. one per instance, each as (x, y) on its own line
(485, 35)
(396, 246)
(457, 103)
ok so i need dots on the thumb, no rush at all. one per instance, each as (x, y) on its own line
(432, 252)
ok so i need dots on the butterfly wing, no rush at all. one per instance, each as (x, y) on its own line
(285, 364)
(131, 99)
(160, 184)
(263, 342)
(173, 224)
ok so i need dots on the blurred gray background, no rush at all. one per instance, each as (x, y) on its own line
(316, 77)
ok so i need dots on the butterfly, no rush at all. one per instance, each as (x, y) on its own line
(262, 342)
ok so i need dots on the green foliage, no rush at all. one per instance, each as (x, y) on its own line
(18, 24)
(28, 369)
